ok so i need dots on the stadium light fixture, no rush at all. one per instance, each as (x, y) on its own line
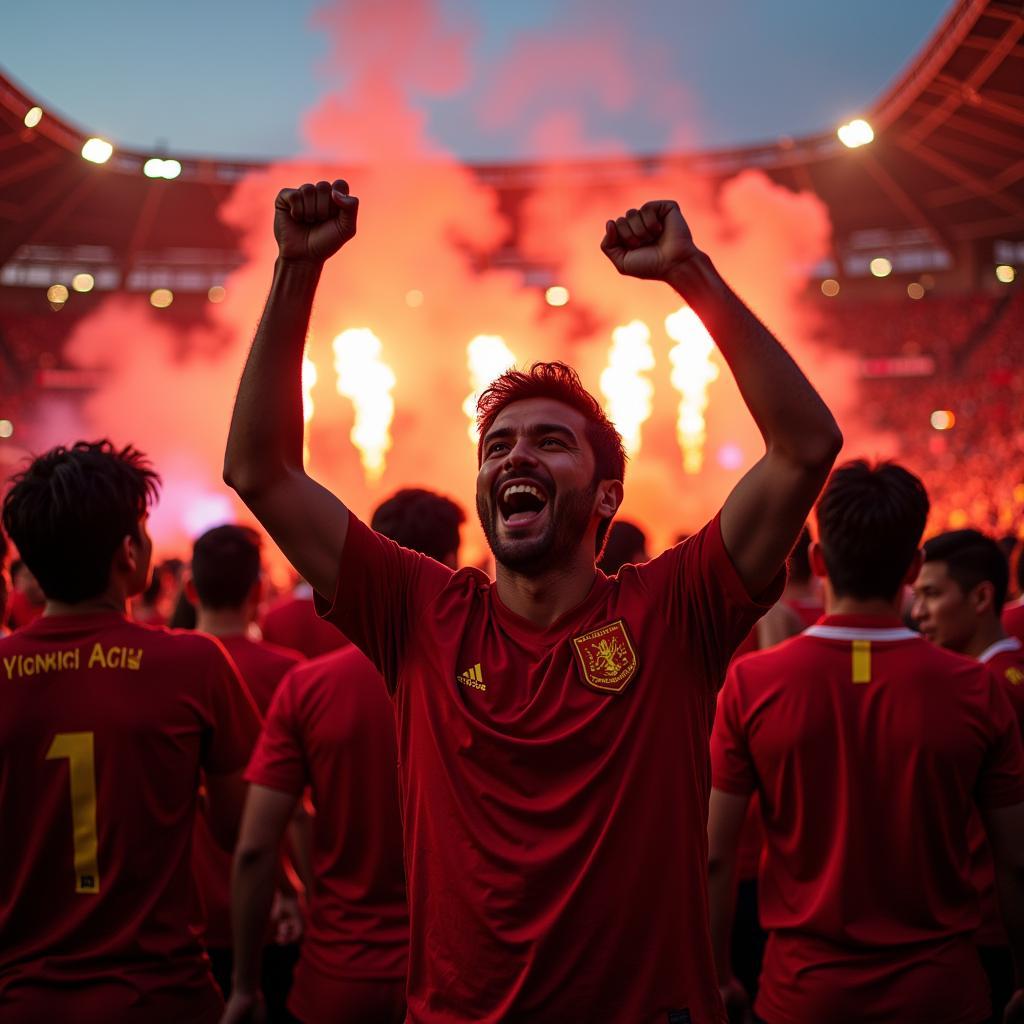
(1005, 274)
(556, 295)
(880, 267)
(33, 116)
(157, 167)
(97, 151)
(855, 133)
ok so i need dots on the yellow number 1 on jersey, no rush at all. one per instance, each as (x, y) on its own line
(78, 749)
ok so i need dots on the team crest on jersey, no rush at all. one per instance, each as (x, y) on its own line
(606, 657)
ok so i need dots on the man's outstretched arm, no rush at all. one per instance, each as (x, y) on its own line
(263, 462)
(763, 516)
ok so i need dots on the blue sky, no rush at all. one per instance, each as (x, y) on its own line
(233, 78)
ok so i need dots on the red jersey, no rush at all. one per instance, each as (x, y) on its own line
(104, 726)
(869, 747)
(332, 727)
(1005, 660)
(296, 625)
(554, 780)
(1013, 619)
(261, 667)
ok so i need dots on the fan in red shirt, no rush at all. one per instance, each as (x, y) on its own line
(225, 586)
(869, 749)
(553, 723)
(104, 727)
(332, 727)
(1013, 614)
(294, 623)
(958, 598)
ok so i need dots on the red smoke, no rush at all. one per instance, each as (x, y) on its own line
(427, 223)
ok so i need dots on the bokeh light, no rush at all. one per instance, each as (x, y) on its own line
(830, 287)
(943, 419)
(97, 151)
(33, 116)
(556, 295)
(880, 266)
(161, 298)
(855, 133)
(83, 282)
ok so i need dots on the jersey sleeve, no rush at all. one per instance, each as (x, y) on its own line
(704, 600)
(1001, 780)
(381, 591)
(732, 768)
(278, 761)
(232, 721)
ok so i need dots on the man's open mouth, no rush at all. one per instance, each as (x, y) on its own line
(520, 502)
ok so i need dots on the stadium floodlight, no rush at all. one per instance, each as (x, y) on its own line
(157, 167)
(97, 151)
(33, 116)
(855, 133)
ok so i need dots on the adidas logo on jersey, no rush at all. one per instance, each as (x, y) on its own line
(472, 677)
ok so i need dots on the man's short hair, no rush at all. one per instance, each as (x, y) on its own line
(68, 512)
(625, 540)
(562, 383)
(225, 566)
(870, 522)
(420, 520)
(971, 558)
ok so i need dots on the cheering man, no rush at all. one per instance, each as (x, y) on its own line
(553, 724)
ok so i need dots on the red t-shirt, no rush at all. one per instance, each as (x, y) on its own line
(104, 726)
(1013, 619)
(261, 667)
(1005, 660)
(869, 748)
(295, 624)
(332, 727)
(554, 781)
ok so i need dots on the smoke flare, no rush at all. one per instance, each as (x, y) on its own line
(368, 382)
(693, 370)
(627, 391)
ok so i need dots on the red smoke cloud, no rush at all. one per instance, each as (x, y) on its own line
(428, 224)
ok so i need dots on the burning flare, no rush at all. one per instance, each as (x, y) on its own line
(487, 357)
(627, 392)
(309, 377)
(368, 382)
(692, 371)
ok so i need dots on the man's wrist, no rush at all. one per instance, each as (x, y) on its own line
(693, 275)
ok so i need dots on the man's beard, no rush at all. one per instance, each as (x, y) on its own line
(567, 522)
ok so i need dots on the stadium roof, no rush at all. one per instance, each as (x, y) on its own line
(946, 168)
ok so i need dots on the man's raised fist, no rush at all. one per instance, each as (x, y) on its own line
(312, 222)
(650, 242)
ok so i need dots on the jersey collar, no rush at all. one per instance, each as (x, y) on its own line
(1009, 643)
(860, 627)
